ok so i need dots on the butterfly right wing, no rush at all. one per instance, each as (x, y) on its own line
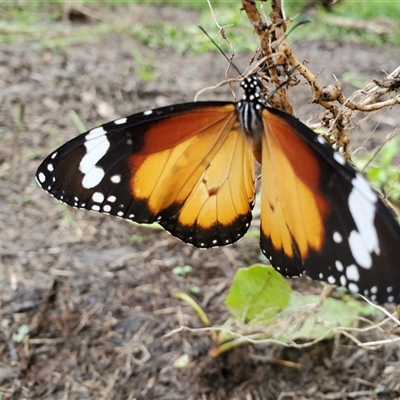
(321, 217)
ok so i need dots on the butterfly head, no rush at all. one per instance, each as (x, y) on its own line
(250, 107)
(251, 86)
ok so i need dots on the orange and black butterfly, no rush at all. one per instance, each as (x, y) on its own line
(191, 168)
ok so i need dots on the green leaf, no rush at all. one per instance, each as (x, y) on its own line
(257, 292)
(317, 322)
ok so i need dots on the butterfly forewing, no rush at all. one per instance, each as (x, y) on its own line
(320, 216)
(188, 167)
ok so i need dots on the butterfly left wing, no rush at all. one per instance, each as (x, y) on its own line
(188, 167)
(321, 217)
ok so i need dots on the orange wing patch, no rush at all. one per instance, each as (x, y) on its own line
(225, 187)
(293, 209)
(203, 181)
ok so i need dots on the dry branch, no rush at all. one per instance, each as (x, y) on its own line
(278, 51)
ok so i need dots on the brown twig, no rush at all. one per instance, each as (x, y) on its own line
(268, 35)
(339, 109)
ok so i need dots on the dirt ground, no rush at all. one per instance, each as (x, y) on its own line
(97, 292)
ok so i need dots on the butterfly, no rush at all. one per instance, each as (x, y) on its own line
(191, 168)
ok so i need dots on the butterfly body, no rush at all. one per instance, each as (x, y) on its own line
(191, 167)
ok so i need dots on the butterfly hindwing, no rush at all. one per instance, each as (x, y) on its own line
(321, 217)
(186, 166)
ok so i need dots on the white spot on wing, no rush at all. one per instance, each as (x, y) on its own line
(321, 140)
(148, 112)
(352, 273)
(337, 237)
(95, 133)
(41, 177)
(111, 199)
(96, 145)
(116, 179)
(339, 266)
(95, 207)
(107, 208)
(364, 241)
(339, 158)
(93, 178)
(120, 121)
(331, 280)
(359, 250)
(353, 287)
(98, 197)
(50, 167)
(362, 185)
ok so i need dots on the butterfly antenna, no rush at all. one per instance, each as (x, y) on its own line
(284, 83)
(220, 50)
(303, 22)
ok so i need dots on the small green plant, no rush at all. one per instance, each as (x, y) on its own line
(194, 288)
(144, 67)
(182, 270)
(77, 121)
(263, 306)
(382, 170)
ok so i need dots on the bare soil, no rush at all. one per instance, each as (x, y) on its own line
(97, 292)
